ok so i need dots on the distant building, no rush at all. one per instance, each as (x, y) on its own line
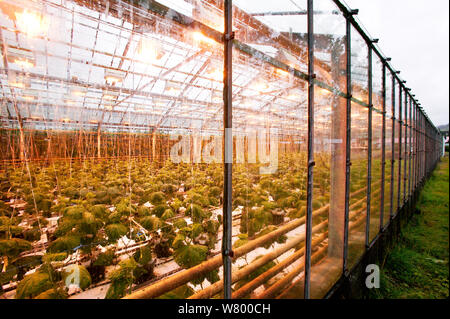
(444, 131)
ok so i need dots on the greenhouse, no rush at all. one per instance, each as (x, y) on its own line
(198, 148)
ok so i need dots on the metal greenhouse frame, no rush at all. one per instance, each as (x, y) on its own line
(184, 95)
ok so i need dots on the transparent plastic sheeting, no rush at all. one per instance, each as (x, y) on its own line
(112, 147)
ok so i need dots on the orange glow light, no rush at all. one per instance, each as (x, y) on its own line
(260, 86)
(322, 92)
(149, 50)
(24, 63)
(28, 98)
(31, 23)
(201, 38)
(216, 74)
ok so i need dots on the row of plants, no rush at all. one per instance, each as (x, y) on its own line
(98, 203)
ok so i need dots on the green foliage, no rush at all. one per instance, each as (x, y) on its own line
(179, 241)
(64, 243)
(5, 209)
(143, 211)
(255, 273)
(316, 204)
(180, 223)
(99, 211)
(54, 257)
(168, 213)
(157, 198)
(115, 231)
(43, 203)
(121, 279)
(151, 223)
(215, 191)
(417, 266)
(32, 235)
(176, 204)
(168, 188)
(24, 264)
(10, 230)
(190, 255)
(159, 210)
(33, 285)
(13, 247)
(182, 292)
(89, 225)
(196, 212)
(74, 212)
(65, 226)
(143, 256)
(211, 226)
(144, 269)
(195, 198)
(125, 208)
(53, 293)
(242, 240)
(8, 275)
(83, 276)
(105, 259)
(280, 239)
(197, 229)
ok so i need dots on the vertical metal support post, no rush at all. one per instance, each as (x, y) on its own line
(410, 147)
(416, 143)
(369, 149)
(227, 253)
(391, 213)
(405, 155)
(348, 139)
(420, 145)
(399, 186)
(422, 133)
(383, 145)
(423, 164)
(422, 148)
(311, 163)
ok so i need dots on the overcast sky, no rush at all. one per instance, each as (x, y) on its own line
(415, 34)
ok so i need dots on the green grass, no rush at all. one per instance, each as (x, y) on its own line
(417, 265)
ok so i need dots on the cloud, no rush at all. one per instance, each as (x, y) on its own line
(415, 34)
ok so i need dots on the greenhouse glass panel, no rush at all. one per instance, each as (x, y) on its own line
(401, 147)
(270, 137)
(329, 44)
(358, 184)
(388, 149)
(375, 199)
(329, 189)
(387, 171)
(112, 103)
(406, 150)
(396, 171)
(330, 109)
(377, 134)
(359, 149)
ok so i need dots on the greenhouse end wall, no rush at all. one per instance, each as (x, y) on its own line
(199, 148)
